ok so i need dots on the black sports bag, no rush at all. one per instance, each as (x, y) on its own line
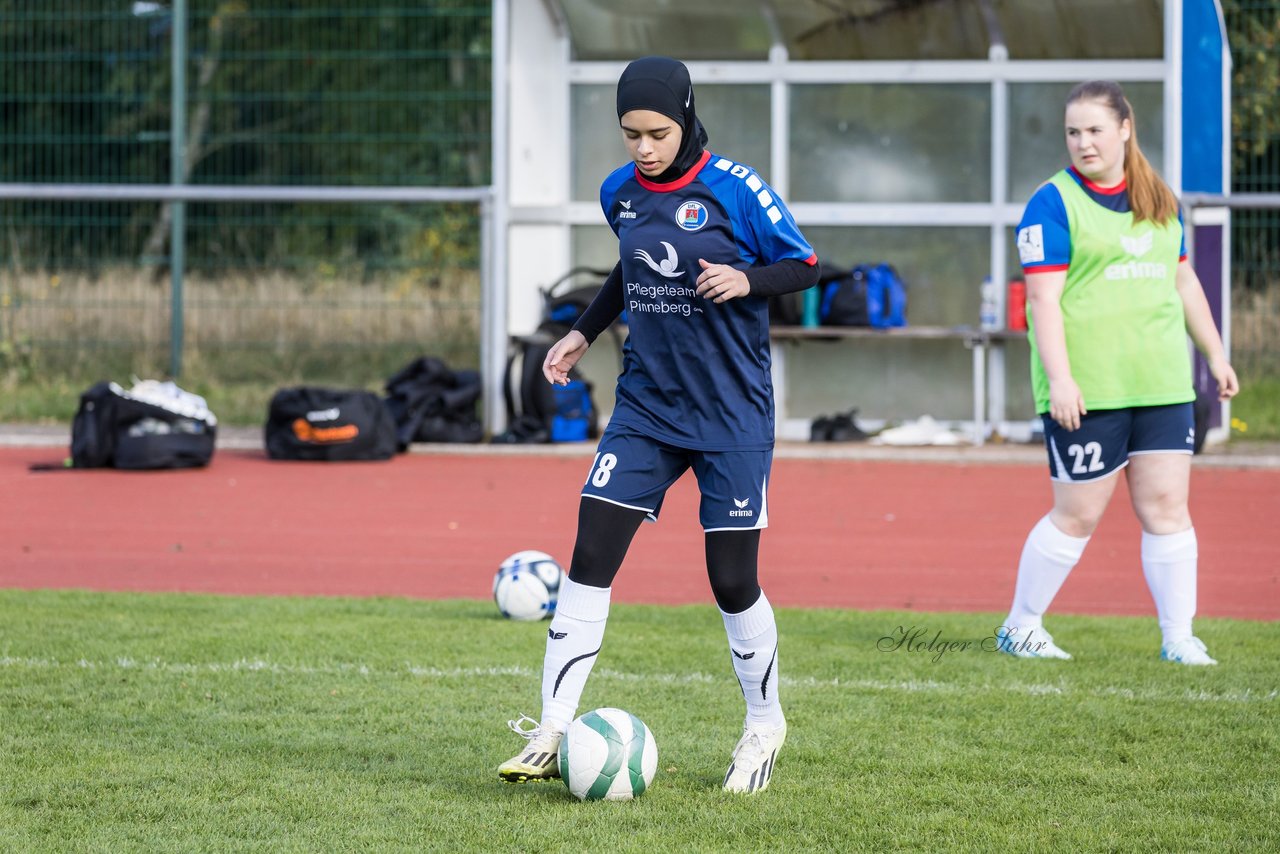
(313, 423)
(151, 426)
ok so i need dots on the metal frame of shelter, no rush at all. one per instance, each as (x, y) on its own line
(534, 211)
(529, 213)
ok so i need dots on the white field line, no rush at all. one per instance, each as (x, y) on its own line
(906, 686)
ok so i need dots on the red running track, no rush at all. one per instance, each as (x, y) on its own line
(849, 534)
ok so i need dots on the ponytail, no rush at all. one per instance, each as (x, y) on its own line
(1149, 196)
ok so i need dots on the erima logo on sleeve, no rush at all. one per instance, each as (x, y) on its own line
(1031, 244)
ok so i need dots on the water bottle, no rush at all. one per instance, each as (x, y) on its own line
(989, 315)
(809, 315)
(1017, 305)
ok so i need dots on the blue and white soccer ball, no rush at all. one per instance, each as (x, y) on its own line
(608, 754)
(527, 585)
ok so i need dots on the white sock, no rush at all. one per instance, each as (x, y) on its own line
(573, 642)
(1047, 559)
(753, 643)
(1169, 563)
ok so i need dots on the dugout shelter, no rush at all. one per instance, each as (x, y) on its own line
(907, 131)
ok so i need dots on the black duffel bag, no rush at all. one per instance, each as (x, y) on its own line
(313, 423)
(151, 426)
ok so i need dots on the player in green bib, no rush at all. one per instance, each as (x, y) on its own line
(1111, 301)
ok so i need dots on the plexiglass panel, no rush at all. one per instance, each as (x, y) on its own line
(942, 267)
(891, 143)
(690, 29)
(736, 119)
(866, 29)
(1082, 29)
(882, 29)
(594, 246)
(1037, 140)
(595, 139)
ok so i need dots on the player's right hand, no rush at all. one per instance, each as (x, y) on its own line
(1066, 403)
(562, 356)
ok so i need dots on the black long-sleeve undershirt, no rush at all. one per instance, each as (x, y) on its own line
(784, 277)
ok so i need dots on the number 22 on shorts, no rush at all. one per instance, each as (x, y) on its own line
(1077, 453)
(601, 469)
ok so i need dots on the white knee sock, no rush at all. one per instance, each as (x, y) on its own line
(1047, 559)
(573, 642)
(753, 643)
(1169, 563)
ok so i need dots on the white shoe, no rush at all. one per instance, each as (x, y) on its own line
(1186, 651)
(1032, 643)
(754, 757)
(540, 759)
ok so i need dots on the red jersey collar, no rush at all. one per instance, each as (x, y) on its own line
(679, 183)
(1098, 188)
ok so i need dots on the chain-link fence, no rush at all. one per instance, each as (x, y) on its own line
(336, 94)
(1253, 29)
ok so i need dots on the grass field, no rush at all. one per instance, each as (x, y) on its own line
(202, 723)
(1256, 412)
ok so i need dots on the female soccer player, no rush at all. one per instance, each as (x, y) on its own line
(1111, 299)
(703, 241)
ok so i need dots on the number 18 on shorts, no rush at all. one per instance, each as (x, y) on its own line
(633, 470)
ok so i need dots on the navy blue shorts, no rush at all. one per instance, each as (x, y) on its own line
(1105, 439)
(633, 470)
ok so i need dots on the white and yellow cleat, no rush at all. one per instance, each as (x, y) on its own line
(540, 759)
(754, 758)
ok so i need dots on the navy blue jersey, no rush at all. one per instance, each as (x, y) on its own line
(696, 374)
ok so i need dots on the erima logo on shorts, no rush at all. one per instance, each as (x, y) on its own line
(667, 266)
(742, 510)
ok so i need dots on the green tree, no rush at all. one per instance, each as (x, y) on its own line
(1253, 34)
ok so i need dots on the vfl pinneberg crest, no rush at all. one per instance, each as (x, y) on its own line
(691, 216)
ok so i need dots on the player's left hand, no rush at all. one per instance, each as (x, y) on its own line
(1225, 375)
(720, 282)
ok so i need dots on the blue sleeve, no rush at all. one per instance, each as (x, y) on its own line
(764, 229)
(609, 191)
(1044, 235)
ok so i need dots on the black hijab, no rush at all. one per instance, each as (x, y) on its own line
(662, 84)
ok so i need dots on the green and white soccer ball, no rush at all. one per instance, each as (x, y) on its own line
(527, 585)
(608, 754)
